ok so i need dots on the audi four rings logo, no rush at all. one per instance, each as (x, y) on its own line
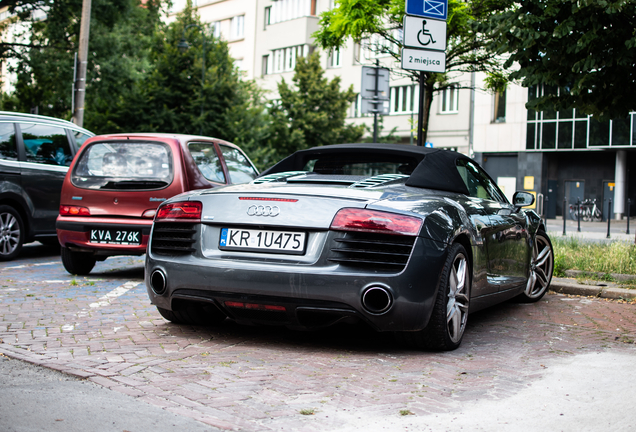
(263, 210)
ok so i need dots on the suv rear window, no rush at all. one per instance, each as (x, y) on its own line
(124, 165)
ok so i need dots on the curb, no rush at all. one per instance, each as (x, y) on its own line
(563, 286)
(599, 275)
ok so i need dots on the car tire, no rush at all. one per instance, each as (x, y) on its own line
(541, 269)
(447, 324)
(77, 263)
(11, 233)
(194, 314)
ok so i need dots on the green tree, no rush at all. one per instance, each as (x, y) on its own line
(311, 113)
(585, 48)
(120, 37)
(367, 20)
(171, 97)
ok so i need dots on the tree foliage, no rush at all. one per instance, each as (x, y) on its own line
(172, 97)
(586, 48)
(367, 20)
(137, 80)
(120, 36)
(310, 113)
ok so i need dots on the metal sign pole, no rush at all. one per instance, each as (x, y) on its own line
(375, 114)
(420, 114)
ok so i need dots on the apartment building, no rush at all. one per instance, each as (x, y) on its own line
(266, 37)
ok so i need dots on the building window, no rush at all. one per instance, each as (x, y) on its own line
(403, 99)
(268, 15)
(215, 29)
(284, 59)
(285, 10)
(377, 46)
(237, 27)
(265, 68)
(571, 129)
(499, 107)
(449, 101)
(335, 58)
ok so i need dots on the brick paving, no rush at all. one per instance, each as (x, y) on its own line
(233, 377)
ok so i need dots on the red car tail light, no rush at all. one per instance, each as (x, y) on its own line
(179, 211)
(66, 210)
(353, 219)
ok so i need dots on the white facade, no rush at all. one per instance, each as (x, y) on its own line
(277, 32)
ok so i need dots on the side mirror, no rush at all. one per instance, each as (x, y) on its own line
(522, 199)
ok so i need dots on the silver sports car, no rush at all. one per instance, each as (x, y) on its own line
(406, 239)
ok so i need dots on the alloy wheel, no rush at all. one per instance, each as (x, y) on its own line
(9, 233)
(541, 267)
(457, 305)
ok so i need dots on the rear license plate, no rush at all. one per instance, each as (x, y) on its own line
(115, 236)
(287, 242)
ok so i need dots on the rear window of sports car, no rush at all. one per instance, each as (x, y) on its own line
(124, 165)
(361, 164)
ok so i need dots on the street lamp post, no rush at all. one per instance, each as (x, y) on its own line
(184, 46)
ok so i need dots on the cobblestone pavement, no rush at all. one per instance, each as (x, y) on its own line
(235, 377)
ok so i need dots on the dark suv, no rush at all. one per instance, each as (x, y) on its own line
(35, 153)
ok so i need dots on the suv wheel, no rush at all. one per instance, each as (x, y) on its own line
(11, 233)
(77, 263)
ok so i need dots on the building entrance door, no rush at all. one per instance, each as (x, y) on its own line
(574, 189)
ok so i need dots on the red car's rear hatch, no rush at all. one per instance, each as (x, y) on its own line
(123, 178)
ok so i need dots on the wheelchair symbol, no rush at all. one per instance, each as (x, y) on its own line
(425, 35)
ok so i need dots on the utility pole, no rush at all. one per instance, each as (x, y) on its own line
(80, 79)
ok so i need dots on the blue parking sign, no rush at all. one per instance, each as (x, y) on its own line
(428, 8)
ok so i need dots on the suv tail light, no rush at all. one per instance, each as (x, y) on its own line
(66, 210)
(353, 219)
(180, 211)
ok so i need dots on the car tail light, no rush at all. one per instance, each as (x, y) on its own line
(353, 219)
(241, 305)
(67, 210)
(180, 211)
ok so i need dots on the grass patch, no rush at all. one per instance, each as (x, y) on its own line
(307, 411)
(606, 258)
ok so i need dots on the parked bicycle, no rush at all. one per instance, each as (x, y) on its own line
(588, 209)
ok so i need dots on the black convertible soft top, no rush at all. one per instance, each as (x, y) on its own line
(436, 168)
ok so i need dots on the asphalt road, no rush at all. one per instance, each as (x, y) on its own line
(564, 363)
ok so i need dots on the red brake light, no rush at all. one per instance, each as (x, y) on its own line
(267, 199)
(352, 219)
(66, 210)
(188, 210)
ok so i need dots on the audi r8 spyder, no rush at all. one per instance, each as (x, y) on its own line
(407, 239)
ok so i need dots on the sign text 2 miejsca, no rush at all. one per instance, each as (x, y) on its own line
(256, 240)
(423, 60)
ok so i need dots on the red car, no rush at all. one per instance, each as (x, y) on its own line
(116, 182)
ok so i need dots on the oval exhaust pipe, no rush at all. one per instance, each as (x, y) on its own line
(158, 282)
(377, 299)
